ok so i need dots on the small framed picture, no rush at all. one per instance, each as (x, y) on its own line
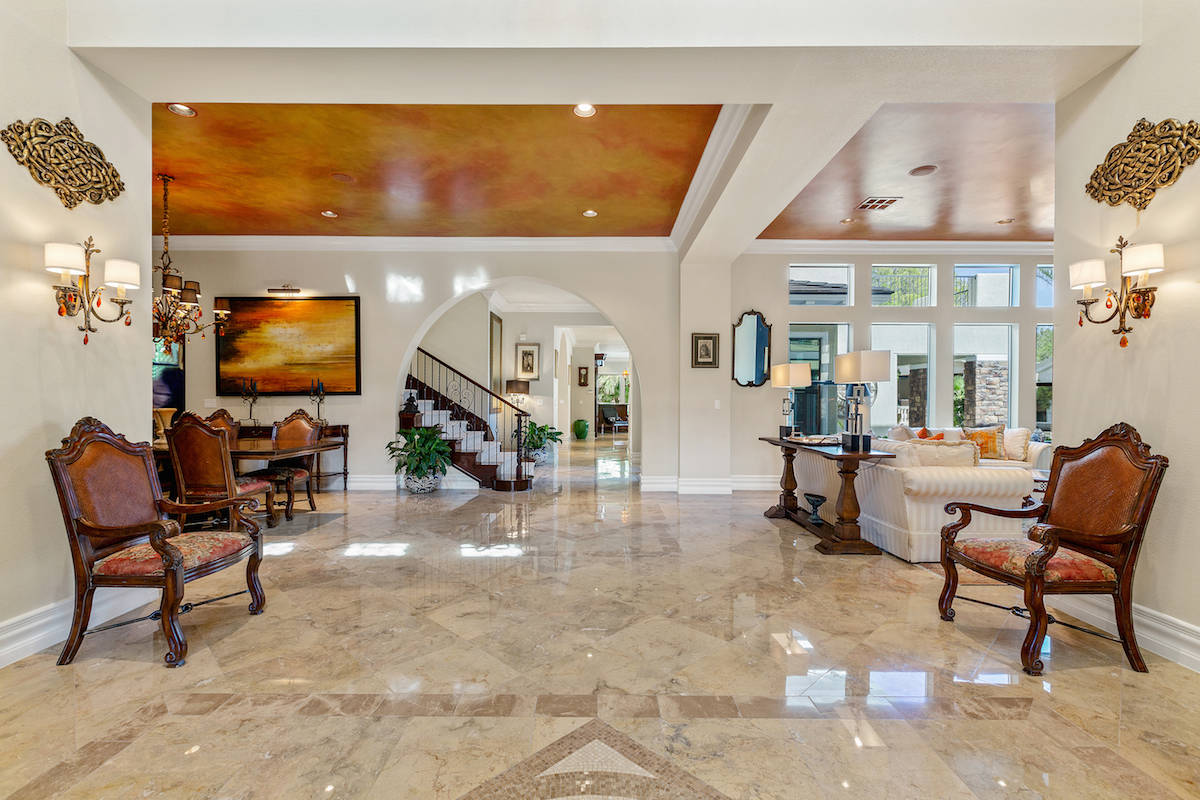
(529, 361)
(583, 375)
(705, 354)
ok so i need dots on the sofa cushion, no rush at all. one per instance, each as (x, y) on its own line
(990, 439)
(197, 548)
(942, 453)
(1016, 443)
(1008, 556)
(901, 433)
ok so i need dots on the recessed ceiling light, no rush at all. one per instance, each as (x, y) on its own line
(847, 220)
(329, 214)
(585, 110)
(181, 109)
(923, 170)
(591, 212)
(341, 177)
(1005, 221)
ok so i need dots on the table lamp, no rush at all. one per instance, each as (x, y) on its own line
(789, 376)
(856, 370)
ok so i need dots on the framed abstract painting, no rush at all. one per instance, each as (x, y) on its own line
(289, 345)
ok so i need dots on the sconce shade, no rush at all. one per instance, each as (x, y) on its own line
(791, 376)
(863, 366)
(122, 273)
(188, 297)
(1087, 273)
(193, 286)
(66, 258)
(221, 306)
(172, 283)
(516, 387)
(1140, 258)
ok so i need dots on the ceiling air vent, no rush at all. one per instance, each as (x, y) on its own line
(877, 203)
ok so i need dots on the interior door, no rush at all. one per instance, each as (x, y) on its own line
(495, 349)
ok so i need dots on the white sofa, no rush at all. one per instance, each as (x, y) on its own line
(903, 507)
(1038, 456)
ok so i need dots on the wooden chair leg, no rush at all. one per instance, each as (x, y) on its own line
(258, 600)
(169, 608)
(308, 489)
(272, 513)
(79, 623)
(290, 485)
(1031, 648)
(1123, 605)
(949, 589)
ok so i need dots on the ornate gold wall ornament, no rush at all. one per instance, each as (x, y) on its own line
(1151, 157)
(59, 157)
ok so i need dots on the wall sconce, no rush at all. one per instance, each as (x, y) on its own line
(518, 390)
(789, 376)
(1133, 298)
(599, 360)
(74, 293)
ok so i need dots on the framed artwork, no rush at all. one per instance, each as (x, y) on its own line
(583, 375)
(285, 345)
(529, 361)
(705, 353)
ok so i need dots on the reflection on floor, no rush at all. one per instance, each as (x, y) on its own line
(421, 646)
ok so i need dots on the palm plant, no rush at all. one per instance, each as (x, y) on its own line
(420, 452)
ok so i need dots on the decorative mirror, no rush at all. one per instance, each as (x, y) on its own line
(751, 349)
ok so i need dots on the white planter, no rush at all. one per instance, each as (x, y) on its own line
(541, 455)
(429, 483)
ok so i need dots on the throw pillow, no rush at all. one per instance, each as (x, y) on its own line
(900, 433)
(990, 440)
(934, 453)
(925, 433)
(1016, 443)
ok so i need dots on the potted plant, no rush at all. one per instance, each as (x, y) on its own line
(580, 427)
(423, 455)
(538, 441)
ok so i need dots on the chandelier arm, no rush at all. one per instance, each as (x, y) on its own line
(1087, 313)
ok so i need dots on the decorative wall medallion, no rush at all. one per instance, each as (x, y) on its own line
(1151, 157)
(59, 157)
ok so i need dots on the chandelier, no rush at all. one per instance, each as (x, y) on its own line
(177, 311)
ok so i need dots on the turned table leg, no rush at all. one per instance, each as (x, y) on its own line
(787, 498)
(847, 535)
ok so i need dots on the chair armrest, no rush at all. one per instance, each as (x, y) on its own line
(950, 531)
(237, 511)
(165, 528)
(1044, 534)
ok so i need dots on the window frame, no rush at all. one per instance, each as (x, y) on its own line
(932, 271)
(1013, 363)
(849, 297)
(1014, 284)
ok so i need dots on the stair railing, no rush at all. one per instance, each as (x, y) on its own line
(468, 400)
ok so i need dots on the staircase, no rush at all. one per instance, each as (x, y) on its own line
(485, 431)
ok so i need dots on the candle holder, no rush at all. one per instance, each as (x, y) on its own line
(316, 395)
(250, 397)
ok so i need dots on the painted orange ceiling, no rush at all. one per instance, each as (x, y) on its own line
(995, 161)
(424, 170)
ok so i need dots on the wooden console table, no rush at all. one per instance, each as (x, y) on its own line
(844, 535)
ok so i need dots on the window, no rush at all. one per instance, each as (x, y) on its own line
(819, 284)
(1043, 284)
(982, 375)
(905, 400)
(815, 407)
(897, 285)
(1044, 356)
(612, 388)
(985, 285)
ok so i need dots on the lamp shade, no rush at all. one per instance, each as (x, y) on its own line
(221, 306)
(188, 297)
(863, 366)
(121, 273)
(1087, 273)
(516, 387)
(66, 258)
(192, 286)
(172, 283)
(1142, 258)
(791, 376)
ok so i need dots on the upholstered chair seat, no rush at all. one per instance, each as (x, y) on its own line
(245, 484)
(281, 473)
(1009, 556)
(198, 549)
(299, 429)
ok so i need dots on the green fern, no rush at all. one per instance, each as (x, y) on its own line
(420, 452)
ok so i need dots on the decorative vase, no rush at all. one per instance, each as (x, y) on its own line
(162, 421)
(580, 428)
(541, 455)
(426, 483)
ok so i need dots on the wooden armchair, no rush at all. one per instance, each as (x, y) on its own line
(1085, 541)
(204, 468)
(119, 533)
(221, 418)
(296, 430)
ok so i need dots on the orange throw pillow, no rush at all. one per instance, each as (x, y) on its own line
(990, 440)
(925, 433)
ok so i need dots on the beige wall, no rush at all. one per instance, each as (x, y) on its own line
(404, 293)
(583, 398)
(460, 337)
(52, 378)
(538, 328)
(1152, 384)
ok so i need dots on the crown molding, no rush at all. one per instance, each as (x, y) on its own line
(897, 247)
(724, 133)
(425, 244)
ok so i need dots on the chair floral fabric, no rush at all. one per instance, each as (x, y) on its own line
(1009, 555)
(197, 549)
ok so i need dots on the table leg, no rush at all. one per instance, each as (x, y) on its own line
(847, 535)
(787, 498)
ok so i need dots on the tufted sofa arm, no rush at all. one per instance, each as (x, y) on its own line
(952, 482)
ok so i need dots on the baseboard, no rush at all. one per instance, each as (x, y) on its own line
(659, 483)
(371, 483)
(705, 486)
(49, 625)
(754, 483)
(1157, 632)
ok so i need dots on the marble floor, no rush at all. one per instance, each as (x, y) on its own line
(435, 646)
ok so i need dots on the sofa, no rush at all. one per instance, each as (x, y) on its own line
(903, 500)
(1037, 455)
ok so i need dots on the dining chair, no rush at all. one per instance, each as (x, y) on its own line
(221, 418)
(296, 430)
(120, 535)
(204, 468)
